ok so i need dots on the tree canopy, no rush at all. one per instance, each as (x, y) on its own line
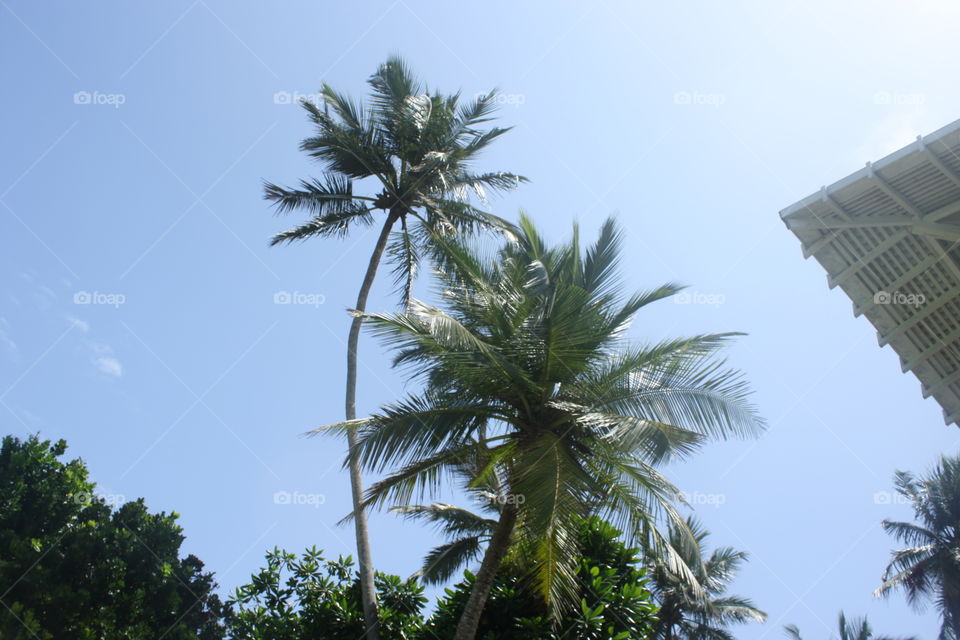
(72, 566)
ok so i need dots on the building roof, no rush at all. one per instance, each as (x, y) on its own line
(889, 237)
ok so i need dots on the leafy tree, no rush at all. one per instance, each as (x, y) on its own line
(308, 597)
(855, 629)
(416, 148)
(73, 567)
(530, 363)
(928, 568)
(614, 601)
(699, 610)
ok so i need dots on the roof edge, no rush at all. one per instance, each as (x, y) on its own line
(899, 154)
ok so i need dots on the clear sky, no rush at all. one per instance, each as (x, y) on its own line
(135, 138)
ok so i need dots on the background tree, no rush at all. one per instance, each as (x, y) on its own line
(73, 567)
(529, 362)
(308, 597)
(698, 610)
(415, 148)
(855, 629)
(928, 568)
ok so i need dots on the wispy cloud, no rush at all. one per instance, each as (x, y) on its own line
(77, 323)
(109, 365)
(104, 359)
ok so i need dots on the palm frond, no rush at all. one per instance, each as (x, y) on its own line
(452, 521)
(404, 252)
(443, 562)
(329, 225)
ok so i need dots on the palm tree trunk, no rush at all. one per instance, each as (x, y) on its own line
(368, 592)
(492, 558)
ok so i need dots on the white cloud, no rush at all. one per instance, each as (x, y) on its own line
(104, 361)
(109, 366)
(79, 324)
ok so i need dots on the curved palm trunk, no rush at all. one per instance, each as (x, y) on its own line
(492, 558)
(368, 593)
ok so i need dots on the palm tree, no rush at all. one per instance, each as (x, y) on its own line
(416, 150)
(700, 610)
(530, 363)
(856, 629)
(929, 566)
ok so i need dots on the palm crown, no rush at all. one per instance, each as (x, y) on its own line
(848, 629)
(416, 147)
(529, 364)
(702, 613)
(929, 566)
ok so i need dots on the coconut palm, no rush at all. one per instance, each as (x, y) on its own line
(928, 568)
(699, 610)
(855, 629)
(529, 362)
(414, 150)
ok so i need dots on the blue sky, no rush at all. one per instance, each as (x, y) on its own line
(138, 316)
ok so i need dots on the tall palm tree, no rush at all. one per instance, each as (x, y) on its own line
(414, 150)
(855, 629)
(701, 610)
(929, 566)
(530, 362)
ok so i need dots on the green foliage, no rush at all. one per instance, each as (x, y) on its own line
(614, 602)
(293, 598)
(308, 597)
(73, 567)
(928, 567)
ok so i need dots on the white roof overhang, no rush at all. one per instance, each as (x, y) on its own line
(889, 237)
